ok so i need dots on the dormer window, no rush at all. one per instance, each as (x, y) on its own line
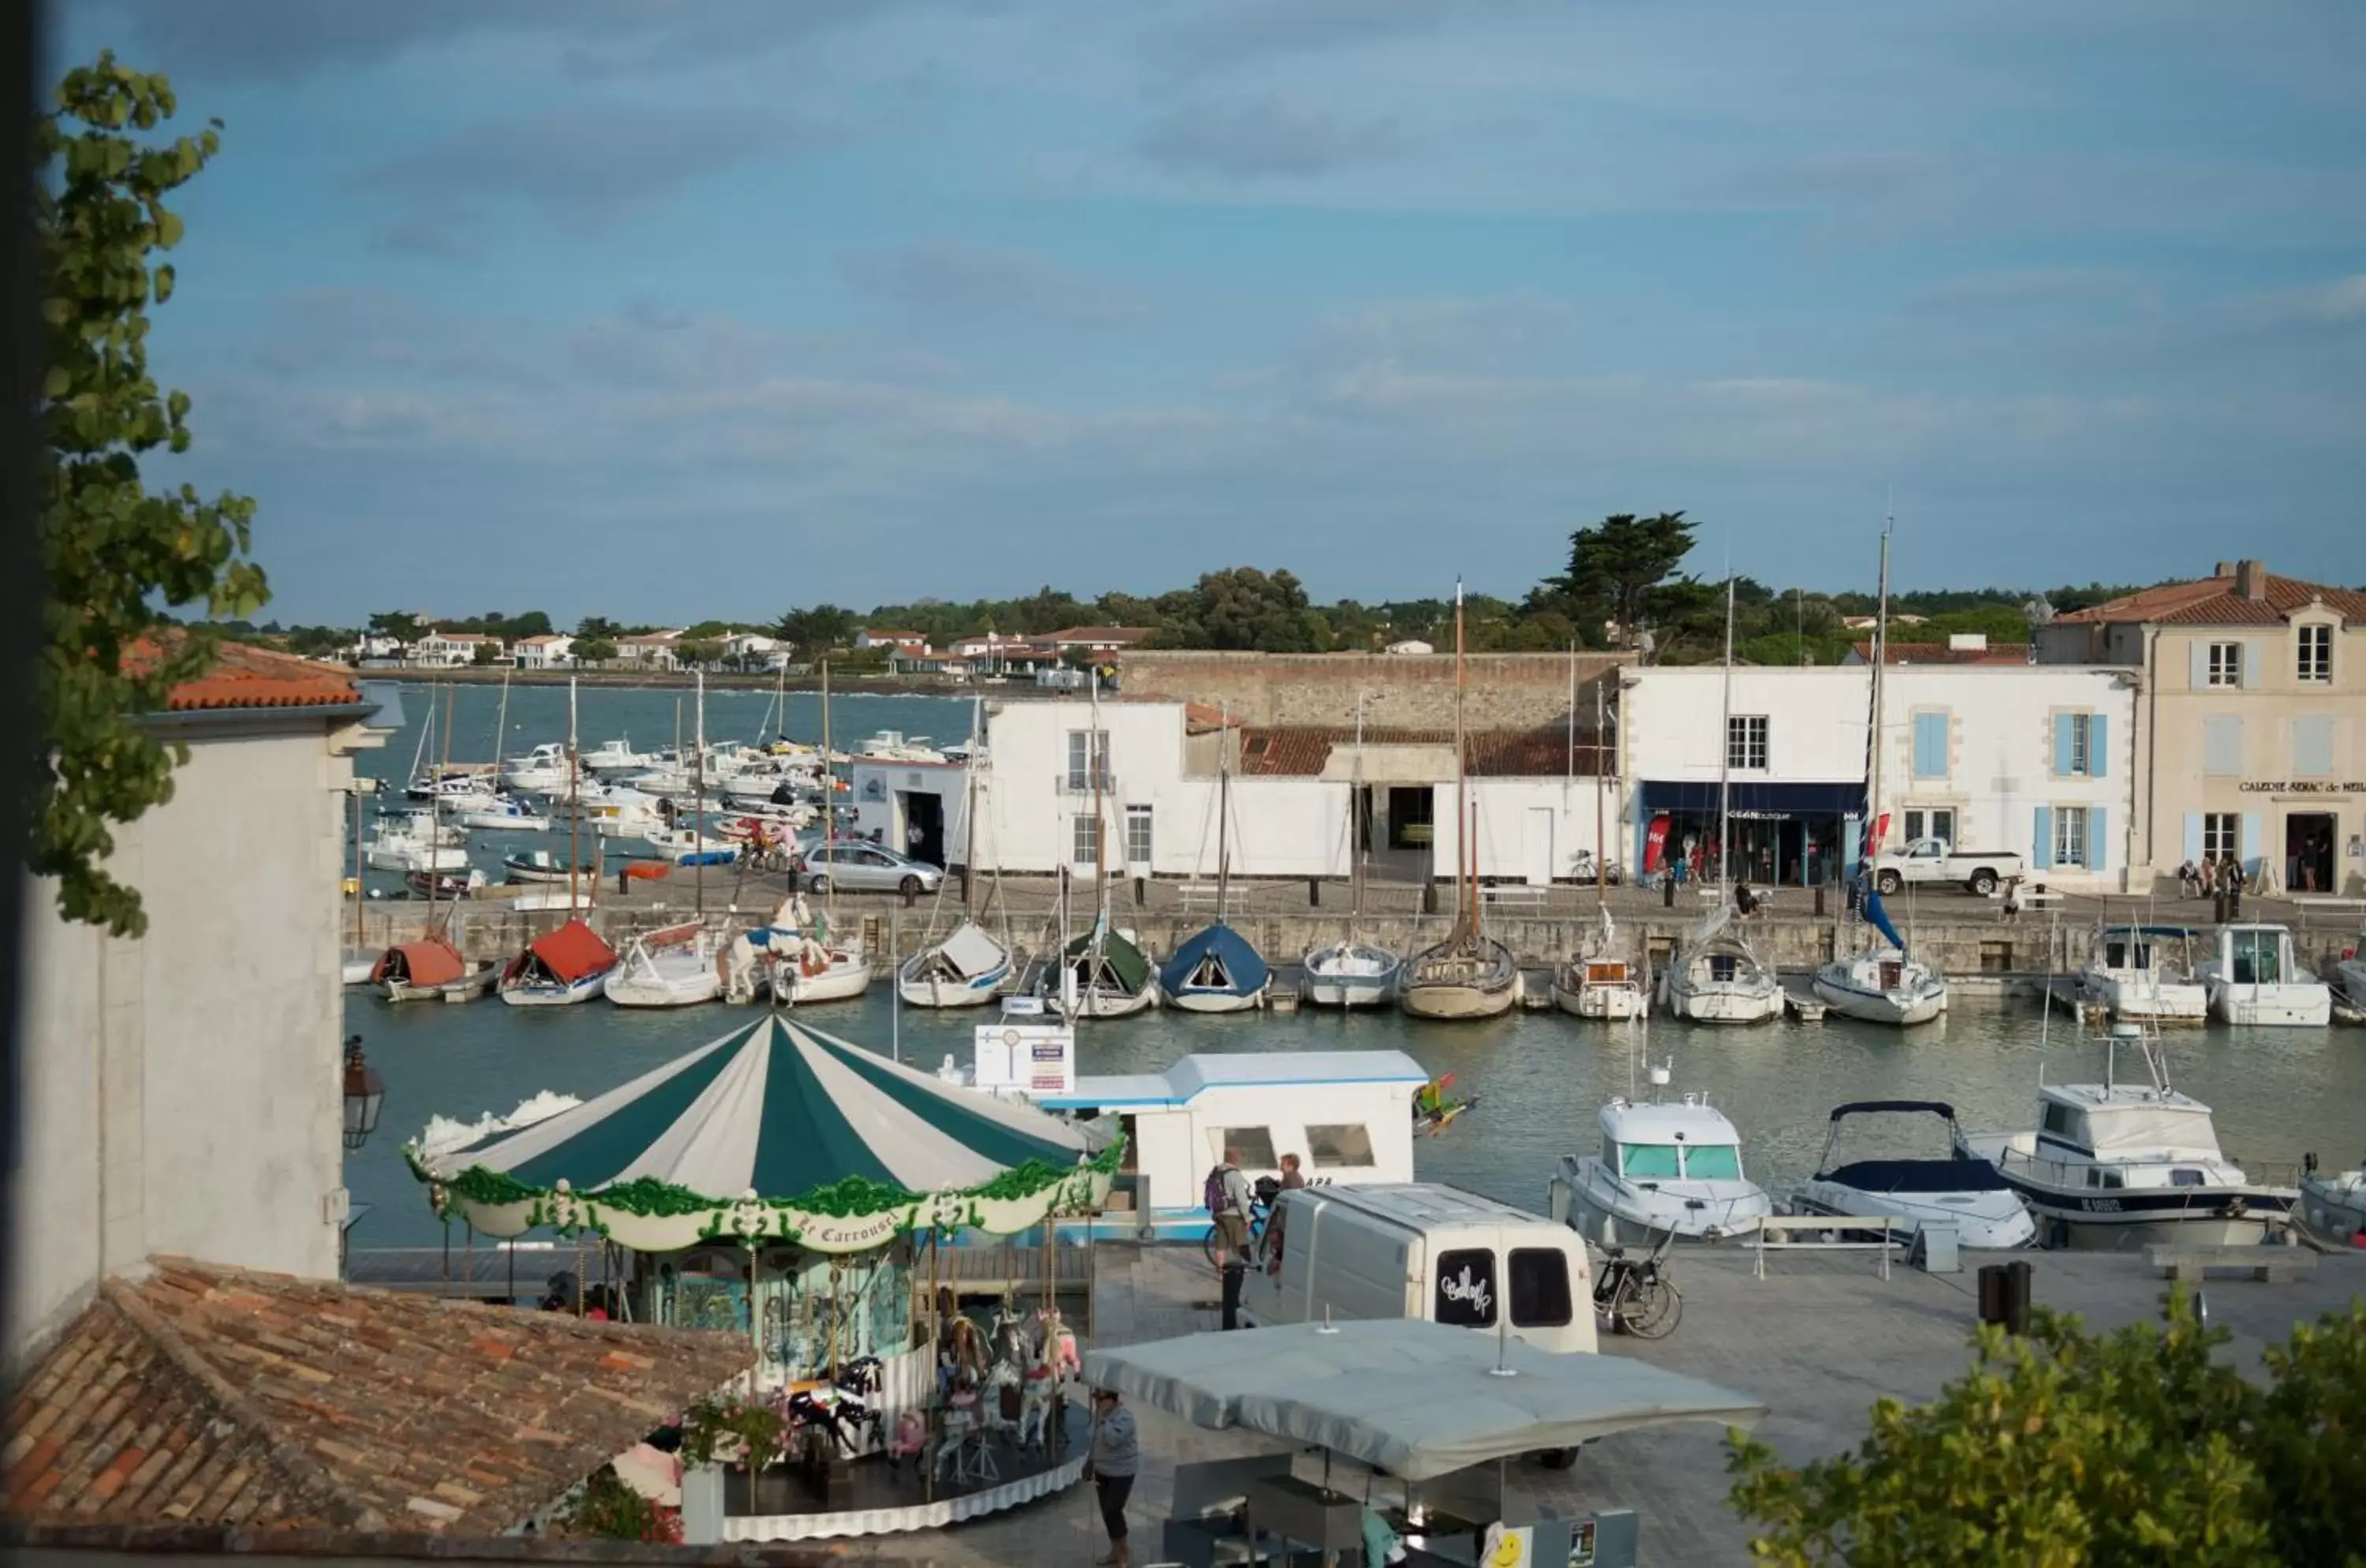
(2315, 662)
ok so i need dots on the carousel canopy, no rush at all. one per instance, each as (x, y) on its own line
(773, 1132)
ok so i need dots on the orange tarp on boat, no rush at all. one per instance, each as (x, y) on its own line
(429, 962)
(648, 870)
(573, 950)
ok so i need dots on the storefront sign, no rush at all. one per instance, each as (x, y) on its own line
(2303, 787)
(1035, 1058)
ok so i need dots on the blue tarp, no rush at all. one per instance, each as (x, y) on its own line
(1878, 917)
(1217, 960)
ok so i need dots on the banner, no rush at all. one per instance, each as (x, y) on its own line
(1655, 842)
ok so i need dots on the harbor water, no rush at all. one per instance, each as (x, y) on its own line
(2278, 1093)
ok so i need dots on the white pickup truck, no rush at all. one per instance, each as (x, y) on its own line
(1935, 859)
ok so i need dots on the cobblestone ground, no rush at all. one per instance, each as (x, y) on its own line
(1818, 1340)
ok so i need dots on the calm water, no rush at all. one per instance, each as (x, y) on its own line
(1542, 1076)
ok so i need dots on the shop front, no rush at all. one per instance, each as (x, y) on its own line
(1797, 835)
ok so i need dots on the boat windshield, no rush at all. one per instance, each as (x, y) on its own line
(1712, 1162)
(2258, 955)
(1648, 1161)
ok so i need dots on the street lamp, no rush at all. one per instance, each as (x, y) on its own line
(364, 1095)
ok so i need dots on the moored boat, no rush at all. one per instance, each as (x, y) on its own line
(1216, 970)
(1663, 1169)
(2253, 978)
(2144, 975)
(674, 967)
(968, 968)
(560, 967)
(1598, 983)
(1957, 1190)
(1718, 977)
(430, 969)
(2333, 1204)
(1351, 975)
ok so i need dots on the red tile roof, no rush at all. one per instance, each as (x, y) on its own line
(1940, 653)
(1305, 751)
(244, 677)
(2214, 601)
(203, 1395)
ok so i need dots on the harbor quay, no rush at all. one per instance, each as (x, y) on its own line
(1967, 939)
(1818, 1340)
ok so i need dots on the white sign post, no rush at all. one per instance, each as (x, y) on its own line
(1032, 1058)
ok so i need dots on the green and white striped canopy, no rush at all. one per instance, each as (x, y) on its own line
(773, 1133)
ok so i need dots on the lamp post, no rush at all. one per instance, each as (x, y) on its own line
(364, 1095)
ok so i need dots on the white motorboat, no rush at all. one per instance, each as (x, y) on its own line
(541, 866)
(2114, 1165)
(2350, 975)
(2144, 975)
(1718, 978)
(542, 770)
(394, 847)
(1597, 983)
(424, 824)
(622, 813)
(564, 967)
(613, 759)
(1664, 1168)
(684, 847)
(2333, 1205)
(455, 792)
(506, 813)
(674, 967)
(1351, 975)
(969, 967)
(2253, 977)
(1967, 1193)
(894, 746)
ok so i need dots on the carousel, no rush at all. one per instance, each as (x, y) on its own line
(794, 1188)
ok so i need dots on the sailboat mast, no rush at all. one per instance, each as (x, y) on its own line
(828, 797)
(1100, 829)
(435, 811)
(698, 804)
(1223, 812)
(969, 808)
(1601, 845)
(501, 725)
(574, 800)
(1725, 754)
(1873, 718)
(1356, 823)
(1466, 903)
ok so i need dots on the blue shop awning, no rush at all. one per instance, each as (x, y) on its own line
(1754, 799)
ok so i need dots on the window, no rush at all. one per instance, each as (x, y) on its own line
(1137, 835)
(2098, 1176)
(1087, 755)
(2081, 746)
(2063, 1123)
(1539, 1285)
(1341, 1143)
(2259, 956)
(1086, 849)
(1466, 1287)
(2225, 664)
(1712, 1162)
(1254, 1143)
(1745, 741)
(2079, 763)
(2221, 837)
(2070, 835)
(1648, 1161)
(2178, 1177)
(2222, 747)
(1930, 746)
(2316, 653)
(1928, 823)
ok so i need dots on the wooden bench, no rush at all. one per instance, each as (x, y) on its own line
(2276, 1265)
(1514, 894)
(1191, 896)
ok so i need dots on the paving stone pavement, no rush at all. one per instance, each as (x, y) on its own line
(1817, 1341)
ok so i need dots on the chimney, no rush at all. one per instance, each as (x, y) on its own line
(2251, 580)
(2224, 568)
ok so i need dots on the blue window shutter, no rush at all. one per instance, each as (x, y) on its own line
(2042, 857)
(1929, 745)
(2222, 746)
(2099, 745)
(2194, 836)
(2062, 744)
(2254, 844)
(2311, 746)
(2096, 842)
(2200, 649)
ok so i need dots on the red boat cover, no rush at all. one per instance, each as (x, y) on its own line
(429, 961)
(573, 950)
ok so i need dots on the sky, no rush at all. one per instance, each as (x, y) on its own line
(665, 309)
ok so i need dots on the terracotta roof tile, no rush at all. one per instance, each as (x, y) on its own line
(1305, 752)
(245, 677)
(210, 1396)
(2212, 602)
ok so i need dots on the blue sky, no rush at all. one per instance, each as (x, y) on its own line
(669, 309)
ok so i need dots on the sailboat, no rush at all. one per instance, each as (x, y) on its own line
(678, 966)
(805, 965)
(1470, 975)
(1216, 969)
(1716, 976)
(572, 963)
(1880, 983)
(970, 966)
(1103, 974)
(1597, 982)
(1348, 973)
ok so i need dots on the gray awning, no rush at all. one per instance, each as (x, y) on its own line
(1415, 1399)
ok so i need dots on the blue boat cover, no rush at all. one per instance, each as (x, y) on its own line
(1878, 917)
(1218, 960)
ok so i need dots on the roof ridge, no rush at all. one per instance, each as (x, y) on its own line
(305, 1474)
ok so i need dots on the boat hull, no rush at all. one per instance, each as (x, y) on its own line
(1324, 982)
(1901, 1008)
(1609, 1004)
(2162, 1002)
(1725, 1006)
(1449, 1000)
(974, 992)
(838, 983)
(2333, 1210)
(1591, 1202)
(687, 991)
(2285, 1005)
(1984, 1221)
(466, 989)
(1191, 999)
(1098, 1003)
(545, 994)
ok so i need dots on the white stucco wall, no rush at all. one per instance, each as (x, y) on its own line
(182, 1092)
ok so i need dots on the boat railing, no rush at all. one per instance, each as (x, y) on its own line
(1781, 1233)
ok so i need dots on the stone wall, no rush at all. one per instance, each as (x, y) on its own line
(1506, 691)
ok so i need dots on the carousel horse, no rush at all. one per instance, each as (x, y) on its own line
(962, 1352)
(1007, 1372)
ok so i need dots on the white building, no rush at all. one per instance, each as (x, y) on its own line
(892, 638)
(2038, 760)
(754, 650)
(447, 650)
(648, 650)
(552, 650)
(920, 809)
(182, 1093)
(1293, 796)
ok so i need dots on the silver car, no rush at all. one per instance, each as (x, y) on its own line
(865, 868)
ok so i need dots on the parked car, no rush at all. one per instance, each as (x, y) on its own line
(859, 867)
(1977, 872)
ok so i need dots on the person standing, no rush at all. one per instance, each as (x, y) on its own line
(1112, 1457)
(1229, 1199)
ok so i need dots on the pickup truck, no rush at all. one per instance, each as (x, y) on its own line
(1935, 859)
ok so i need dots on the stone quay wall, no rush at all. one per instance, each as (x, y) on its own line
(1399, 691)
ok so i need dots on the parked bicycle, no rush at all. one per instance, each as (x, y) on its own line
(1634, 1295)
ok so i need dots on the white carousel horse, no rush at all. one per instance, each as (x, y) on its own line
(1055, 1361)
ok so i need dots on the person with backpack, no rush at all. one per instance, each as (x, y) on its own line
(1226, 1193)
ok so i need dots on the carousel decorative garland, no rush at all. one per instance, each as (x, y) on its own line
(854, 1214)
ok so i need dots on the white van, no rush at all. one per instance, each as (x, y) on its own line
(1417, 1249)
